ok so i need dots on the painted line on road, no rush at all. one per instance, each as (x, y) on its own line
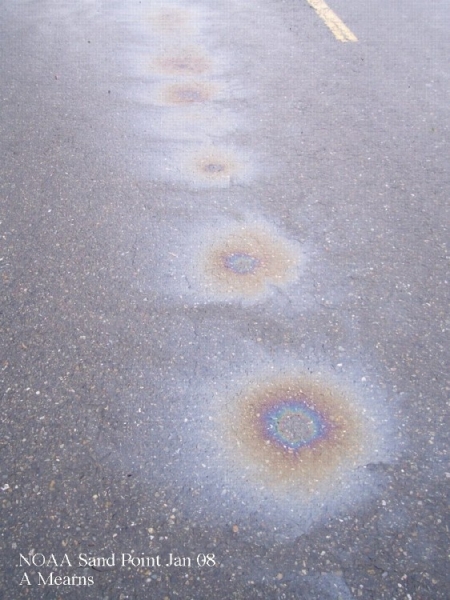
(331, 20)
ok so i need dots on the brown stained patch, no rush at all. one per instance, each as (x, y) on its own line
(187, 93)
(309, 466)
(186, 61)
(275, 263)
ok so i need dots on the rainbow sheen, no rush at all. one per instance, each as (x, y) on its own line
(241, 263)
(293, 425)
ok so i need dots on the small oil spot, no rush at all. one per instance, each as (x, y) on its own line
(247, 262)
(186, 62)
(212, 167)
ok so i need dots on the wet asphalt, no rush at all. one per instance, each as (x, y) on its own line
(122, 357)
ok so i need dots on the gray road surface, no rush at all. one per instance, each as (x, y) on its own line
(224, 274)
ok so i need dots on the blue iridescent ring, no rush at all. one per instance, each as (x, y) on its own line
(241, 263)
(293, 425)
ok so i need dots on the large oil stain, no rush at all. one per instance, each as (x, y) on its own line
(297, 431)
(289, 445)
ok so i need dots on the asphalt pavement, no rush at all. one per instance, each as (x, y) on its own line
(224, 363)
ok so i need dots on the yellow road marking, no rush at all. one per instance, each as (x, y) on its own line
(331, 20)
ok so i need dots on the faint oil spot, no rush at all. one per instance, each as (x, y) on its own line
(187, 93)
(172, 21)
(195, 122)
